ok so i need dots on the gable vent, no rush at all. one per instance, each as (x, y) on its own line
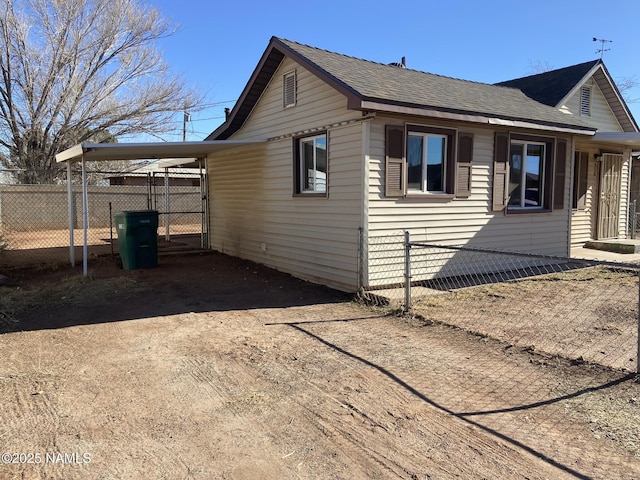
(289, 89)
(585, 101)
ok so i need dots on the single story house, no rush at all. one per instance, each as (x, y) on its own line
(323, 152)
(537, 164)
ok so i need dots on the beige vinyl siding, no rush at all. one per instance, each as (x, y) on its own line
(254, 214)
(624, 195)
(583, 221)
(602, 117)
(462, 221)
(317, 105)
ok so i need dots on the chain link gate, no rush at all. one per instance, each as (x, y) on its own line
(34, 218)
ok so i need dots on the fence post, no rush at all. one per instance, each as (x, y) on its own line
(638, 321)
(632, 220)
(407, 271)
(360, 257)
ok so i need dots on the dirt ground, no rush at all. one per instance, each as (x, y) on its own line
(584, 314)
(41, 247)
(212, 367)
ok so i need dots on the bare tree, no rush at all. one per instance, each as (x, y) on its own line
(73, 70)
(539, 66)
(626, 85)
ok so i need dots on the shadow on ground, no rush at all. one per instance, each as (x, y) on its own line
(58, 296)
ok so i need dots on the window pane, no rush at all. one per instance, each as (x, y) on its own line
(414, 161)
(533, 192)
(307, 164)
(313, 164)
(515, 176)
(436, 147)
(320, 184)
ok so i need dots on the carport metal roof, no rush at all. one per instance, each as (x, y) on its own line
(96, 152)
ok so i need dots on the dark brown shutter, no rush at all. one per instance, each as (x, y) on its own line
(500, 171)
(394, 181)
(559, 174)
(583, 169)
(463, 165)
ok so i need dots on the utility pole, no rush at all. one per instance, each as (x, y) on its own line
(186, 118)
(602, 42)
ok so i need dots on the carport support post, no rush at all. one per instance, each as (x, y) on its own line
(407, 271)
(72, 249)
(85, 219)
(167, 214)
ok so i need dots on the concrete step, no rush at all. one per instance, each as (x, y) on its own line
(616, 246)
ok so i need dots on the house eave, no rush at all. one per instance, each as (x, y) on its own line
(473, 117)
(628, 139)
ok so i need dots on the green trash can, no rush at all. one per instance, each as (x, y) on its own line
(137, 238)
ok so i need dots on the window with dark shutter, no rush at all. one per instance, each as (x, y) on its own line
(560, 174)
(463, 165)
(530, 173)
(500, 171)
(430, 160)
(395, 162)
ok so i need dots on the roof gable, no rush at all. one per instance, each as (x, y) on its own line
(555, 87)
(375, 86)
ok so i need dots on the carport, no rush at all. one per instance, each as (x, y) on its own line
(193, 152)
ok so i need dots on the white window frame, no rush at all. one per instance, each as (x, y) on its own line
(523, 177)
(425, 155)
(302, 177)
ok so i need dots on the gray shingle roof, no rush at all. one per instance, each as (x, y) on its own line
(390, 84)
(552, 86)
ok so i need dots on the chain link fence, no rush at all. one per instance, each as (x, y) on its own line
(582, 310)
(35, 220)
(633, 220)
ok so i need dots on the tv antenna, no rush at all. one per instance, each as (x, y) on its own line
(602, 42)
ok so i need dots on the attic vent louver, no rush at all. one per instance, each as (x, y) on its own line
(289, 89)
(402, 64)
(585, 101)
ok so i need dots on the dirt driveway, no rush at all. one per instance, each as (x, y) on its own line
(212, 367)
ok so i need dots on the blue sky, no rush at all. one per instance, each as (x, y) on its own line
(220, 42)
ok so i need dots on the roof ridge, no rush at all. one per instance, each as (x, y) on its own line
(390, 66)
(592, 64)
(371, 84)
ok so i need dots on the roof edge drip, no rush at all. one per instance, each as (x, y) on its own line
(96, 152)
(475, 118)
